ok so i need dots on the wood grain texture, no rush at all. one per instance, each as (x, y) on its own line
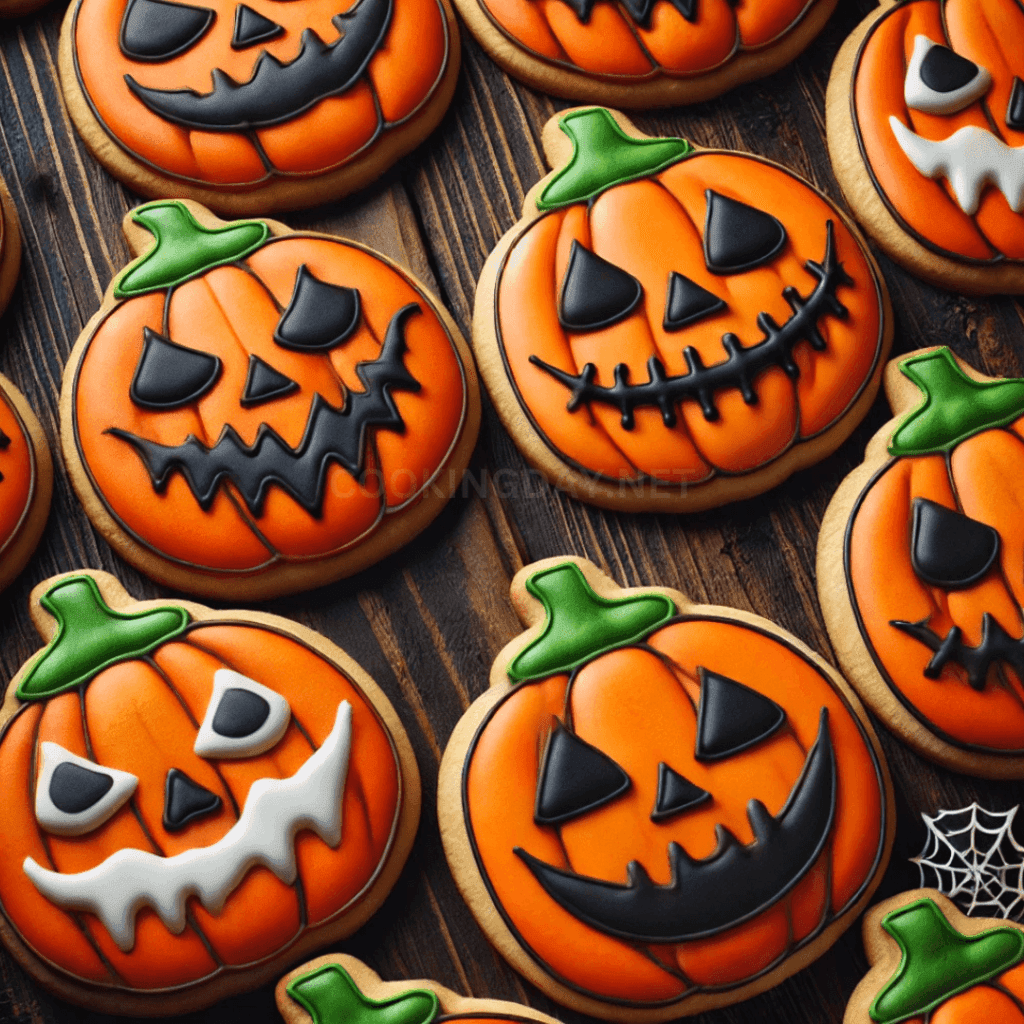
(428, 621)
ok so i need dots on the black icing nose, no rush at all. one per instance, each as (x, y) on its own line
(252, 28)
(185, 801)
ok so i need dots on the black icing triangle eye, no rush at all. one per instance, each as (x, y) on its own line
(595, 293)
(1015, 108)
(252, 28)
(185, 800)
(319, 316)
(946, 71)
(240, 713)
(738, 237)
(939, 81)
(732, 717)
(156, 30)
(74, 788)
(948, 549)
(687, 302)
(263, 384)
(574, 778)
(675, 794)
(169, 376)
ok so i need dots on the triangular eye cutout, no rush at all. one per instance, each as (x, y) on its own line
(948, 549)
(185, 800)
(169, 376)
(732, 717)
(944, 70)
(737, 237)
(319, 316)
(687, 302)
(574, 778)
(157, 30)
(244, 718)
(263, 384)
(675, 794)
(1015, 108)
(252, 28)
(595, 293)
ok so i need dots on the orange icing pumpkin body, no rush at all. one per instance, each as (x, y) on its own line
(926, 129)
(642, 53)
(660, 808)
(286, 412)
(927, 616)
(193, 798)
(258, 106)
(670, 329)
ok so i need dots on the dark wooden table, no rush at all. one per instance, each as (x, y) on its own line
(427, 622)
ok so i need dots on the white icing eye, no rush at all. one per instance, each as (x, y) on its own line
(244, 718)
(75, 795)
(940, 81)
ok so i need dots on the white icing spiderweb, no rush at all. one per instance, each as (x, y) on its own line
(971, 856)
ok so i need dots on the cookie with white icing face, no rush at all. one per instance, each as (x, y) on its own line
(192, 799)
(925, 119)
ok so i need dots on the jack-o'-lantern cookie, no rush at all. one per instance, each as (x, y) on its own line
(670, 328)
(660, 807)
(921, 566)
(26, 481)
(930, 964)
(255, 411)
(339, 989)
(642, 53)
(926, 133)
(259, 106)
(193, 799)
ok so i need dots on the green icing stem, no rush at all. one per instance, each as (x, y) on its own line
(330, 996)
(603, 155)
(184, 248)
(955, 406)
(581, 624)
(938, 962)
(91, 636)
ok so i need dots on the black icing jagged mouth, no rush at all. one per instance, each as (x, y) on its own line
(996, 645)
(331, 435)
(276, 91)
(739, 370)
(733, 885)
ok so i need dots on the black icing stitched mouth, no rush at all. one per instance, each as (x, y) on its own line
(739, 370)
(691, 905)
(331, 435)
(276, 91)
(996, 645)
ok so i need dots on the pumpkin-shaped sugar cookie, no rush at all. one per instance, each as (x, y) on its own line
(193, 800)
(921, 566)
(255, 411)
(926, 133)
(670, 328)
(26, 481)
(642, 53)
(932, 965)
(659, 807)
(259, 106)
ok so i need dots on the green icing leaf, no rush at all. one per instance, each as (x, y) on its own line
(955, 407)
(603, 155)
(581, 624)
(330, 996)
(938, 962)
(91, 636)
(184, 248)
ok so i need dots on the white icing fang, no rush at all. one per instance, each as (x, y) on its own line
(969, 160)
(275, 811)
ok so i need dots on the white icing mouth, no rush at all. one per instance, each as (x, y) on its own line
(275, 811)
(969, 159)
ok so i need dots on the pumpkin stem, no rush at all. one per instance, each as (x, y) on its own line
(955, 406)
(938, 962)
(184, 248)
(330, 996)
(91, 636)
(603, 155)
(580, 624)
